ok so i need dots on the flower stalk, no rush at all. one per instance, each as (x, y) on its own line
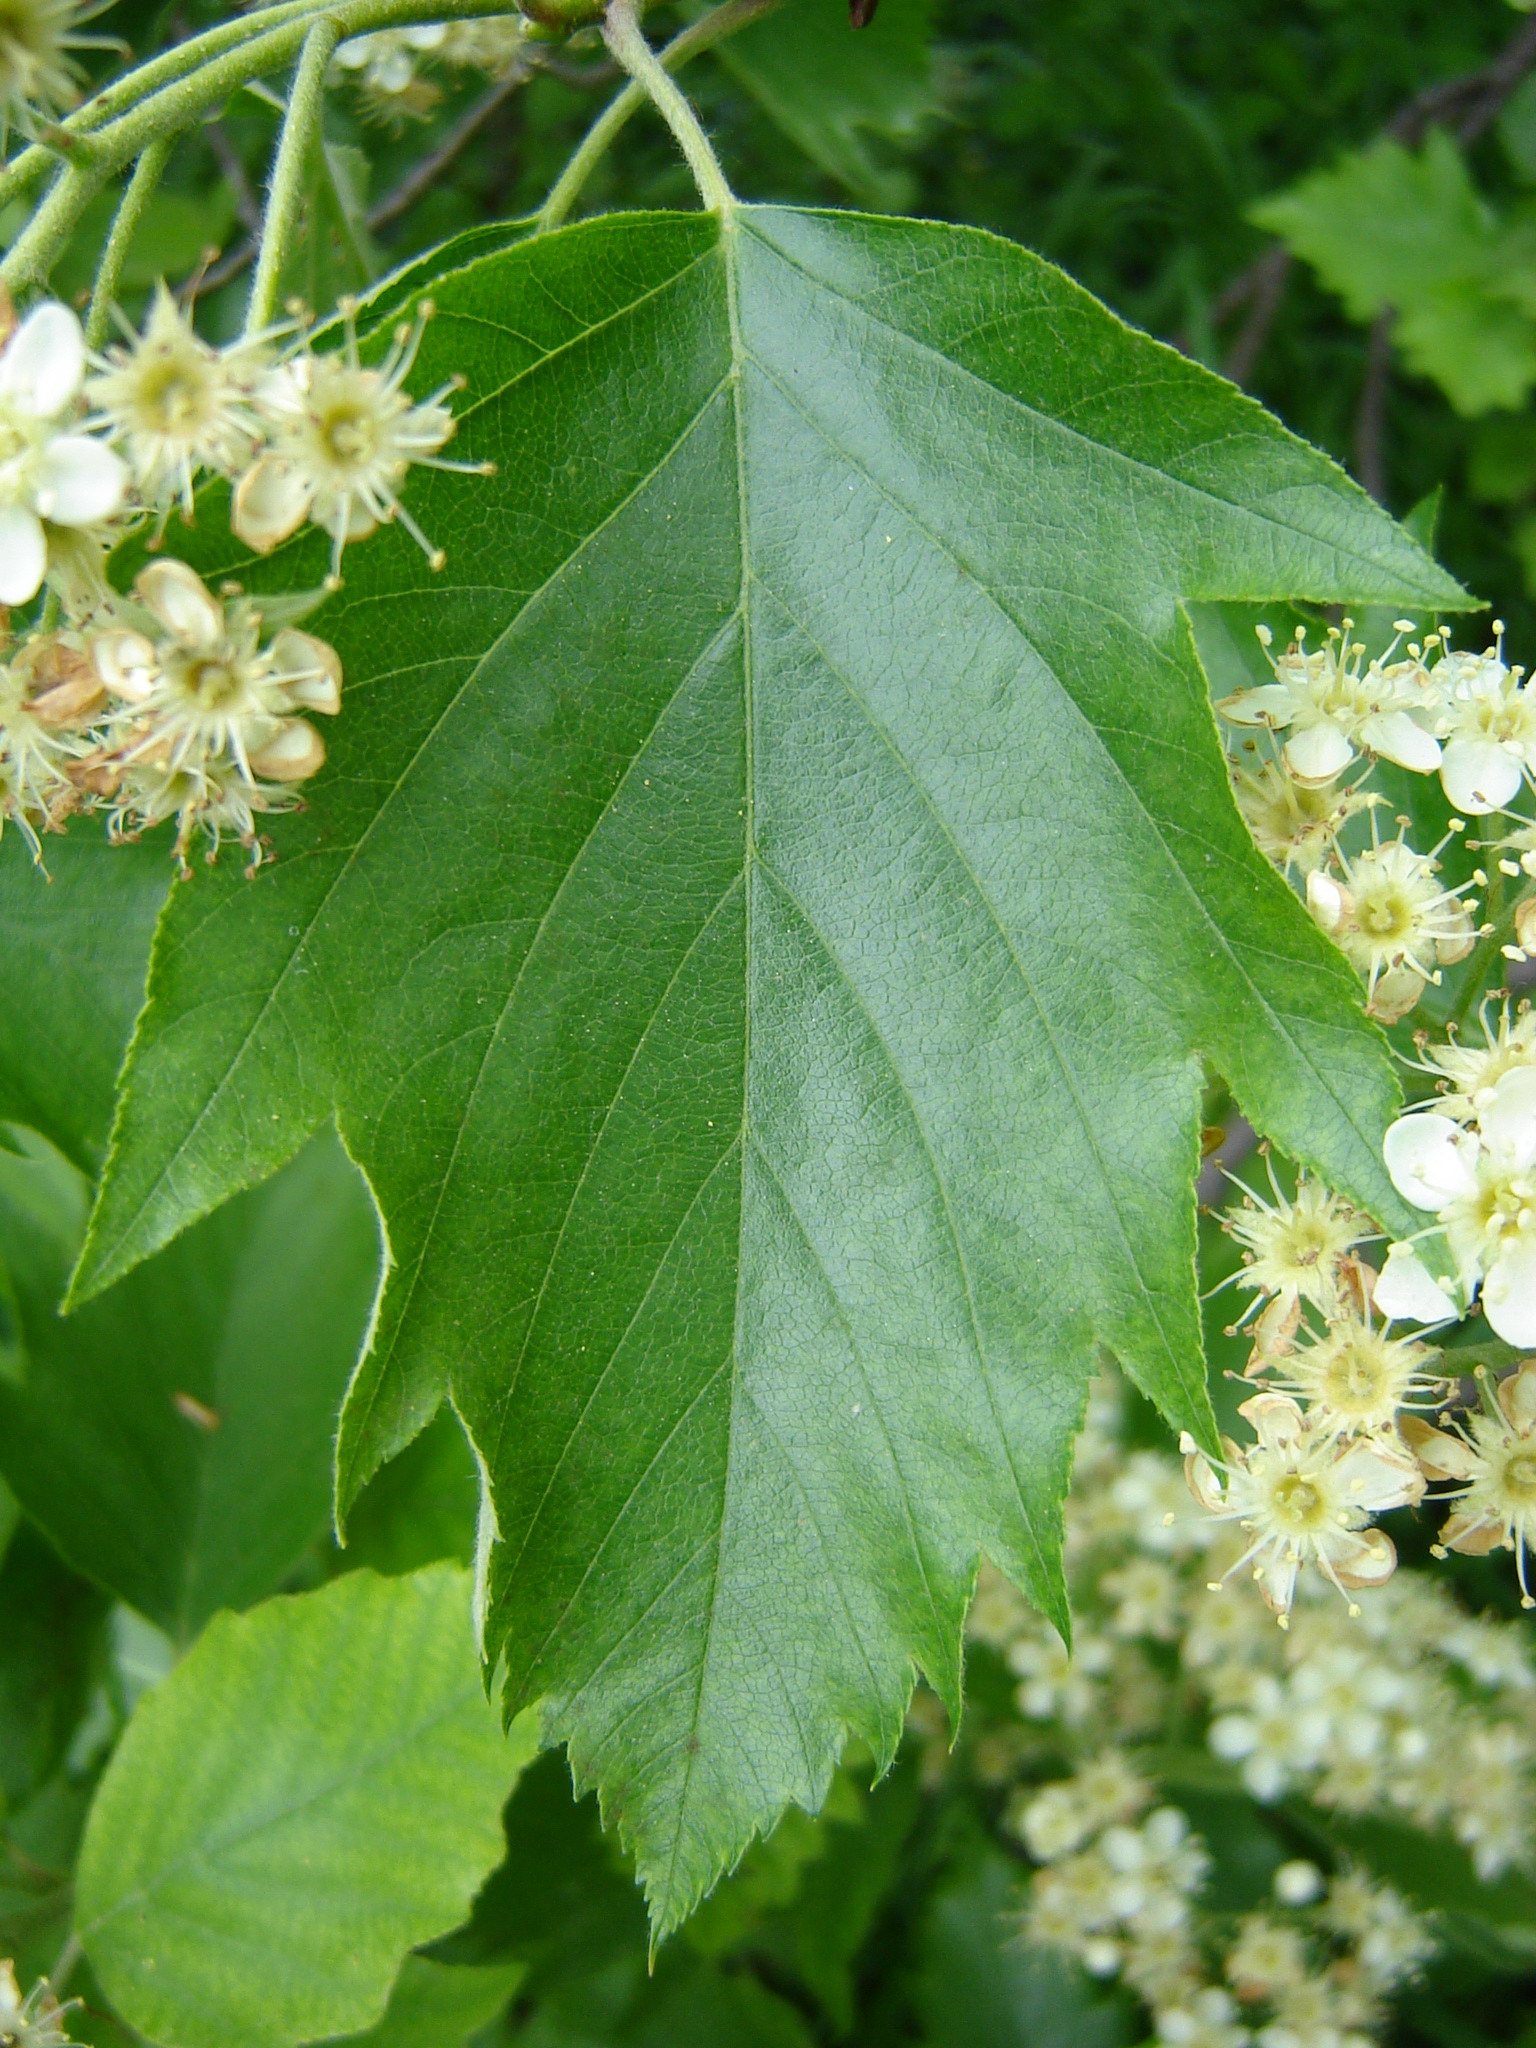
(301, 126)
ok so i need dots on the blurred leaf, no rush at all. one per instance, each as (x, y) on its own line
(1501, 458)
(437, 2005)
(837, 92)
(1388, 228)
(421, 1506)
(175, 233)
(314, 1790)
(174, 1437)
(981, 1987)
(49, 1621)
(76, 954)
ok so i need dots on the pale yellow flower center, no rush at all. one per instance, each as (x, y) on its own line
(1298, 1503)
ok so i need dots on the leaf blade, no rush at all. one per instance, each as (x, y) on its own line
(838, 583)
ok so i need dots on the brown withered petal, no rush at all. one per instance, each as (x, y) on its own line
(294, 753)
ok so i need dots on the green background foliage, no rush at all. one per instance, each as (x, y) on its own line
(554, 1112)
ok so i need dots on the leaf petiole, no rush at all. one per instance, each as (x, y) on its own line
(700, 35)
(625, 38)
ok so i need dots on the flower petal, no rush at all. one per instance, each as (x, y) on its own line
(271, 501)
(1364, 1557)
(1430, 1160)
(182, 602)
(1517, 1397)
(23, 554)
(1406, 1291)
(1440, 1455)
(1318, 752)
(125, 661)
(1398, 736)
(43, 364)
(1509, 1121)
(1509, 1291)
(1276, 1419)
(1478, 776)
(79, 481)
(294, 753)
(1377, 1476)
(1273, 704)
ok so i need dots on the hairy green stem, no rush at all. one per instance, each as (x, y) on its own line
(285, 193)
(33, 253)
(262, 49)
(711, 28)
(622, 33)
(71, 138)
(147, 173)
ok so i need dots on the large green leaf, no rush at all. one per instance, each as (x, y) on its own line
(76, 950)
(174, 1437)
(758, 934)
(315, 1789)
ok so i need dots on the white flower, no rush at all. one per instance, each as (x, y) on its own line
(176, 405)
(1294, 1246)
(1482, 1188)
(1266, 1957)
(1146, 1599)
(1298, 1883)
(1206, 2020)
(1354, 1378)
(1491, 1798)
(1294, 824)
(1268, 1738)
(1493, 1456)
(1391, 1941)
(37, 75)
(1304, 1495)
(1488, 724)
(1061, 1816)
(46, 471)
(1332, 704)
(1158, 1866)
(34, 2021)
(1058, 1684)
(1474, 1071)
(1389, 916)
(1318, 2012)
(342, 438)
(35, 756)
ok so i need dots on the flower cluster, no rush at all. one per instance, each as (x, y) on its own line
(1339, 1425)
(387, 68)
(1312, 1967)
(176, 702)
(1416, 1711)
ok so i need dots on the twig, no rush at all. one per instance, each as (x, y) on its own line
(1371, 418)
(227, 157)
(1271, 275)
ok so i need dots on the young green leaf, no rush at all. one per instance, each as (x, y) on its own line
(174, 1437)
(759, 934)
(314, 1790)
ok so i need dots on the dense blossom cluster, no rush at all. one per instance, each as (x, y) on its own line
(1346, 1386)
(178, 702)
(1417, 1711)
